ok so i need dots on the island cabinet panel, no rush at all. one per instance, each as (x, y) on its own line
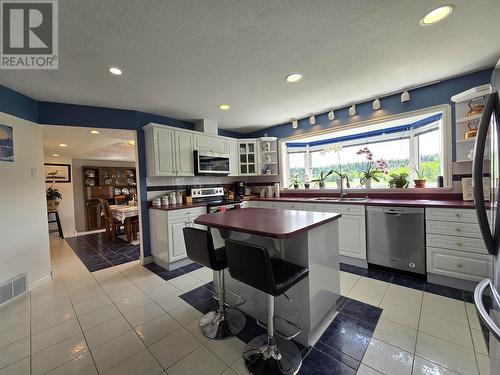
(454, 245)
(167, 238)
(352, 231)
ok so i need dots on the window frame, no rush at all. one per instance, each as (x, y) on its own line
(446, 143)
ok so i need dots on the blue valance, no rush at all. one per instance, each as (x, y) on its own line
(395, 129)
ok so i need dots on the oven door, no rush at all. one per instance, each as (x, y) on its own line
(211, 163)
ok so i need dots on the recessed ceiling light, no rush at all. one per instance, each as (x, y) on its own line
(94, 132)
(56, 155)
(436, 15)
(114, 70)
(63, 145)
(294, 77)
(224, 107)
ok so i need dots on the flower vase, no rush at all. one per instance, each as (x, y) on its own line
(321, 184)
(368, 183)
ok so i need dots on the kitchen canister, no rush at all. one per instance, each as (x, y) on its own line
(269, 192)
(277, 189)
(156, 202)
(172, 198)
(164, 200)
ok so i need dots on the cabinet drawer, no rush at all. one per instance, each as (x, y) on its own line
(257, 204)
(468, 266)
(453, 228)
(463, 244)
(286, 205)
(348, 209)
(185, 213)
(451, 214)
(208, 143)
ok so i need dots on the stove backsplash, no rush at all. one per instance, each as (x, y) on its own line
(159, 186)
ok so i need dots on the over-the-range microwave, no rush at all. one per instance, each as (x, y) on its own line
(209, 163)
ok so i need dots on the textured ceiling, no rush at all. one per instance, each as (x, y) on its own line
(182, 58)
(81, 144)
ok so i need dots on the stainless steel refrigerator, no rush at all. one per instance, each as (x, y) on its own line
(486, 164)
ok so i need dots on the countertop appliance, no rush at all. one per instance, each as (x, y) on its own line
(209, 163)
(395, 237)
(239, 188)
(487, 150)
(214, 197)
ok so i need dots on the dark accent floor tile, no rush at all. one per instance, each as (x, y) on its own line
(190, 267)
(361, 311)
(155, 268)
(353, 269)
(338, 355)
(408, 281)
(359, 325)
(379, 275)
(169, 275)
(198, 294)
(346, 340)
(251, 330)
(468, 296)
(444, 291)
(318, 363)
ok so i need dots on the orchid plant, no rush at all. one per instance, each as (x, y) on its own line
(337, 148)
(374, 168)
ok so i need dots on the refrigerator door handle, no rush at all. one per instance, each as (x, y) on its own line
(483, 314)
(477, 174)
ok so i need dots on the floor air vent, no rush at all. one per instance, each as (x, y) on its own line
(13, 288)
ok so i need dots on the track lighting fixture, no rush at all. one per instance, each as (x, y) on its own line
(331, 115)
(405, 96)
(376, 104)
(352, 110)
(312, 120)
(295, 124)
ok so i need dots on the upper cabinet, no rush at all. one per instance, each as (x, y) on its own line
(210, 143)
(169, 152)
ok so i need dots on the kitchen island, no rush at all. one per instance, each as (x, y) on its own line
(308, 239)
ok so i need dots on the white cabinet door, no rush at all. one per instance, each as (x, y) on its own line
(352, 236)
(232, 150)
(257, 204)
(164, 152)
(209, 143)
(176, 236)
(184, 154)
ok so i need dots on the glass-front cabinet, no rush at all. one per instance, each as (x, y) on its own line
(247, 152)
(267, 156)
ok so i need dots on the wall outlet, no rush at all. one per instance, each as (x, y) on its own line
(33, 172)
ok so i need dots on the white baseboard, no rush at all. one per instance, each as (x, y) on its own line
(90, 232)
(40, 282)
(147, 260)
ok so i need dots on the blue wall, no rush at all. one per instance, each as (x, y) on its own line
(439, 93)
(49, 113)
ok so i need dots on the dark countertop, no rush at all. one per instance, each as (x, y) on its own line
(267, 222)
(381, 202)
(172, 207)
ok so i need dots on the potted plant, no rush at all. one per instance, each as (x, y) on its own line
(420, 180)
(337, 148)
(294, 181)
(53, 197)
(322, 178)
(373, 168)
(307, 184)
(399, 180)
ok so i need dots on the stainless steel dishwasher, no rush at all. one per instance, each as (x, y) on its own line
(395, 237)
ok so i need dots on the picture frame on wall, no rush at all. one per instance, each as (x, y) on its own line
(58, 173)
(6, 143)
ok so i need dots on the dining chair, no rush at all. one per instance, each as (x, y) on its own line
(112, 225)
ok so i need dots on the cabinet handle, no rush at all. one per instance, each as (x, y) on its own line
(460, 244)
(459, 229)
(460, 265)
(458, 215)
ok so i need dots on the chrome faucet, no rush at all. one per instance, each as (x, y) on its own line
(343, 193)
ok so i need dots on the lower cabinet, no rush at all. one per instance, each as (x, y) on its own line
(167, 237)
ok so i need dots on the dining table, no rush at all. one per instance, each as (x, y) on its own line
(126, 215)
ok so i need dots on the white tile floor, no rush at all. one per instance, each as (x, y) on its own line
(419, 333)
(126, 320)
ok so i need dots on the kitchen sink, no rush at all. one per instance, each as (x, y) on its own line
(334, 199)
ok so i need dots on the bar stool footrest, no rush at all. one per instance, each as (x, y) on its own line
(282, 335)
(243, 299)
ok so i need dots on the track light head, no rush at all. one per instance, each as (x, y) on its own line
(376, 104)
(352, 110)
(331, 115)
(405, 96)
(295, 124)
(312, 120)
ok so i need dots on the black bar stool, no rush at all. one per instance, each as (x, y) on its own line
(223, 323)
(252, 265)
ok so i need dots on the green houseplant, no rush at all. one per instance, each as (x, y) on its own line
(420, 180)
(322, 178)
(294, 181)
(399, 180)
(53, 197)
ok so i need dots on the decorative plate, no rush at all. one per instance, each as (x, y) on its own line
(90, 182)
(90, 173)
(133, 190)
(125, 191)
(118, 191)
(130, 181)
(108, 181)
